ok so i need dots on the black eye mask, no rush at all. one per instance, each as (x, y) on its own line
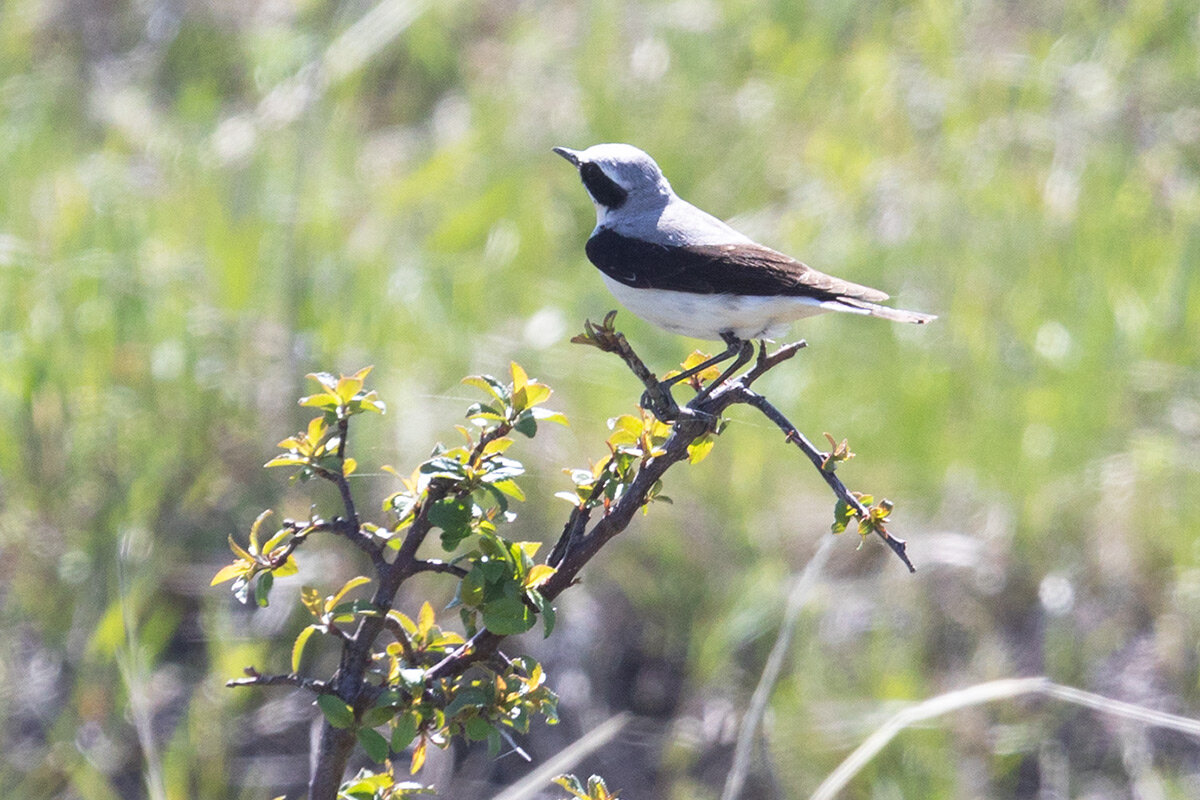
(603, 189)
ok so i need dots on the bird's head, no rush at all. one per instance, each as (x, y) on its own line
(619, 177)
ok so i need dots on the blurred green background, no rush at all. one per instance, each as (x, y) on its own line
(201, 202)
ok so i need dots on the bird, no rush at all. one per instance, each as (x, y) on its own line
(688, 272)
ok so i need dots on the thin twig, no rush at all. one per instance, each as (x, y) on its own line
(766, 362)
(343, 485)
(256, 678)
(437, 565)
(397, 630)
(745, 395)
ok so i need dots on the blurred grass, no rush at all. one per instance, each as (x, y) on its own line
(179, 245)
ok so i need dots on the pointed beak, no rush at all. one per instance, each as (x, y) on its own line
(569, 155)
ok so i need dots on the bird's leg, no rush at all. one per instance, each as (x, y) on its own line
(663, 405)
(745, 351)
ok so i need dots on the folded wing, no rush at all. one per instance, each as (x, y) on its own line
(744, 269)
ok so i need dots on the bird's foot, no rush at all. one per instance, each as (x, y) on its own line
(659, 402)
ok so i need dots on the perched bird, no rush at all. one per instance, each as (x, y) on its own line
(688, 272)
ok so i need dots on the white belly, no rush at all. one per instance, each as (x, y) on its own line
(706, 316)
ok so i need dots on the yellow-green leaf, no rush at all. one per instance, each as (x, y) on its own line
(418, 756)
(332, 602)
(347, 387)
(538, 575)
(298, 646)
(536, 393)
(319, 400)
(348, 466)
(286, 460)
(536, 676)
(519, 376)
(323, 378)
(696, 359)
(699, 449)
(425, 619)
(371, 402)
(240, 552)
(229, 572)
(497, 445)
(406, 623)
(316, 431)
(274, 541)
(289, 567)
(258, 523)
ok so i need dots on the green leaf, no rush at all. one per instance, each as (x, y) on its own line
(843, 512)
(471, 588)
(444, 467)
(261, 591)
(404, 731)
(335, 710)
(453, 515)
(494, 741)
(374, 744)
(377, 716)
(510, 488)
(508, 616)
(490, 385)
(500, 468)
(477, 729)
(526, 424)
(468, 698)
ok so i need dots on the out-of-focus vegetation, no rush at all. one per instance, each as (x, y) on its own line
(186, 190)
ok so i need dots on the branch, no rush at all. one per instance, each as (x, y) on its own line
(256, 678)
(437, 565)
(745, 395)
(709, 407)
(343, 484)
(577, 544)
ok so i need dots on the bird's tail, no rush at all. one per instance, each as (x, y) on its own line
(876, 310)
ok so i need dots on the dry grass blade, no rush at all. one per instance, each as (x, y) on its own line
(581, 748)
(986, 693)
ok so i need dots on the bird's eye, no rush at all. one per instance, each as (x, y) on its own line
(603, 189)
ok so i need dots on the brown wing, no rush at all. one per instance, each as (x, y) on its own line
(744, 269)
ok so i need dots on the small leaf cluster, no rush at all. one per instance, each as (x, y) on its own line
(318, 450)
(594, 790)
(416, 714)
(465, 493)
(874, 521)
(634, 440)
(266, 561)
(839, 452)
(501, 588)
(330, 613)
